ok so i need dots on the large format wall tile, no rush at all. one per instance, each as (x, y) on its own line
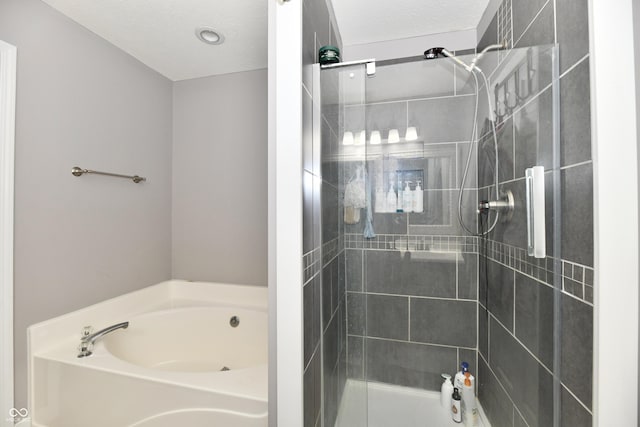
(577, 214)
(392, 272)
(387, 317)
(468, 276)
(534, 134)
(577, 348)
(354, 269)
(528, 383)
(438, 120)
(408, 364)
(447, 322)
(572, 26)
(534, 317)
(572, 413)
(575, 115)
(492, 397)
(497, 294)
(541, 30)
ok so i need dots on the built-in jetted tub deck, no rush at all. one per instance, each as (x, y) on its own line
(192, 354)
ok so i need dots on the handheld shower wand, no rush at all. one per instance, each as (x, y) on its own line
(505, 203)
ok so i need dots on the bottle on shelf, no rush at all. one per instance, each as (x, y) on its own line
(407, 197)
(392, 200)
(418, 199)
(400, 207)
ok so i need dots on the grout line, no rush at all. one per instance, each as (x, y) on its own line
(586, 162)
(370, 337)
(522, 345)
(531, 23)
(578, 62)
(576, 398)
(414, 296)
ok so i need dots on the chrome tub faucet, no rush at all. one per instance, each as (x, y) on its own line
(88, 339)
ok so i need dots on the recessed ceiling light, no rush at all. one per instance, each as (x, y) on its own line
(209, 35)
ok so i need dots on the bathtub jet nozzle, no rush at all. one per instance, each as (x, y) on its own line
(88, 339)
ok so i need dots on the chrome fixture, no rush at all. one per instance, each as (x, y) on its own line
(77, 171)
(88, 339)
(370, 65)
(504, 205)
(234, 321)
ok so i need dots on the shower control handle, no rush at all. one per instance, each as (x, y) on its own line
(505, 205)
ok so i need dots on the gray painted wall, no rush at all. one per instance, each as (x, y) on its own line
(219, 178)
(81, 101)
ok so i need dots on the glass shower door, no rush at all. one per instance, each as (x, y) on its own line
(432, 279)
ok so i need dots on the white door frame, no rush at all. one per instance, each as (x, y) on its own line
(614, 132)
(8, 55)
(285, 214)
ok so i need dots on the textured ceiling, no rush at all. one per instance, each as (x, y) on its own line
(161, 33)
(367, 21)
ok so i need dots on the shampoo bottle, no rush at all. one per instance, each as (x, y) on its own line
(458, 382)
(456, 414)
(469, 407)
(400, 207)
(407, 198)
(418, 199)
(446, 391)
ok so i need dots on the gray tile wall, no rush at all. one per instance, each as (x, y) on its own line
(324, 301)
(516, 345)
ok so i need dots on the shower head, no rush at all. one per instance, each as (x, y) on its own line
(433, 53)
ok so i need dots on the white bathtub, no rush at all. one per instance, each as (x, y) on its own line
(165, 369)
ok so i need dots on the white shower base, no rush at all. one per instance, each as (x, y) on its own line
(389, 405)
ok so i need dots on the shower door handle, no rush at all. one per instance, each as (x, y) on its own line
(536, 227)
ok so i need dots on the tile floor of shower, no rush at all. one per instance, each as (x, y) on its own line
(393, 406)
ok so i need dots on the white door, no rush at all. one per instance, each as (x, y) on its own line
(7, 132)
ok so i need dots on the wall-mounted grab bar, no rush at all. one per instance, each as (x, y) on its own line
(76, 171)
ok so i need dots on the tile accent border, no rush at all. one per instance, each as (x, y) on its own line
(577, 279)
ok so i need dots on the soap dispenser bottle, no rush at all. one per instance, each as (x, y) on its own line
(407, 197)
(418, 199)
(392, 200)
(400, 206)
(446, 391)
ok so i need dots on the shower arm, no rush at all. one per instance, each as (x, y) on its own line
(472, 67)
(455, 58)
(485, 50)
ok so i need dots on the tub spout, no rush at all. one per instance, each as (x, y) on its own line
(87, 341)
